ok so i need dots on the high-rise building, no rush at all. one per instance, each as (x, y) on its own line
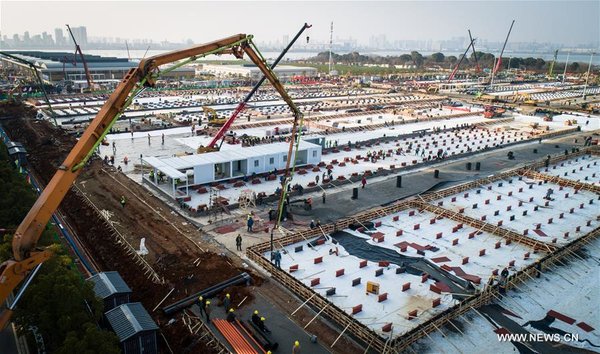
(80, 34)
(59, 38)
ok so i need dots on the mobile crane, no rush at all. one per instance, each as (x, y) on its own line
(26, 257)
(88, 76)
(212, 146)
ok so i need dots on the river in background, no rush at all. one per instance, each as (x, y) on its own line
(138, 54)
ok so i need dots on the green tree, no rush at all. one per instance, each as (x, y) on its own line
(58, 302)
(437, 57)
(417, 58)
(573, 67)
(405, 58)
(90, 341)
(17, 196)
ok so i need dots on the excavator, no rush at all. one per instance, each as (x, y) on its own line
(27, 258)
(213, 118)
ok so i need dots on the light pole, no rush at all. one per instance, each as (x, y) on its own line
(588, 75)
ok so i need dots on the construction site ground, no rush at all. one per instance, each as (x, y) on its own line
(189, 259)
(339, 202)
(174, 244)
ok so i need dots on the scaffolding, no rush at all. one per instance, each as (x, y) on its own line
(216, 207)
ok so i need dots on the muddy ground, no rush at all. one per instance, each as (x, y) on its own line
(175, 245)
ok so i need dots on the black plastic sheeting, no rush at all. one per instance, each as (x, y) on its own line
(360, 248)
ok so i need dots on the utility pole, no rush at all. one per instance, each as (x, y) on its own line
(588, 75)
(566, 63)
(330, 47)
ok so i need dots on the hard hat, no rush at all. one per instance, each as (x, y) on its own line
(226, 295)
(262, 318)
(296, 343)
(230, 310)
(200, 298)
(207, 302)
(256, 312)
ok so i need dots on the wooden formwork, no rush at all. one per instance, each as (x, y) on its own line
(483, 226)
(488, 295)
(431, 196)
(561, 181)
(343, 319)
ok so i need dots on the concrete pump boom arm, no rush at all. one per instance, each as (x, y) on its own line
(29, 231)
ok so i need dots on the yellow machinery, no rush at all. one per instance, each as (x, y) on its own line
(372, 287)
(213, 118)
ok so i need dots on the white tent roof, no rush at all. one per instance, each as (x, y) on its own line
(189, 161)
(164, 168)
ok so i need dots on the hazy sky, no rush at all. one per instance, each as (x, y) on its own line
(568, 22)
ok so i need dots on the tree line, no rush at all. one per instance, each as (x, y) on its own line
(485, 60)
(59, 306)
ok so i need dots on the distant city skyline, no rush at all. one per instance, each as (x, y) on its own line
(387, 25)
(380, 42)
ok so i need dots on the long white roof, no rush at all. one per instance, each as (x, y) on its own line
(164, 168)
(243, 153)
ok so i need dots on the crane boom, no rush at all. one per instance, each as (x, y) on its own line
(551, 67)
(88, 76)
(460, 61)
(474, 52)
(29, 231)
(221, 133)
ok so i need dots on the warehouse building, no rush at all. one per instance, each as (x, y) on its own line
(59, 66)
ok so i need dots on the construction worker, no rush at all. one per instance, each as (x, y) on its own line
(230, 316)
(262, 326)
(296, 348)
(250, 223)
(277, 259)
(207, 310)
(255, 318)
(201, 304)
(123, 201)
(227, 302)
(363, 181)
(148, 138)
(492, 280)
(312, 224)
(238, 242)
(163, 139)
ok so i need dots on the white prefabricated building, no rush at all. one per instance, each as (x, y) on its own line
(234, 163)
